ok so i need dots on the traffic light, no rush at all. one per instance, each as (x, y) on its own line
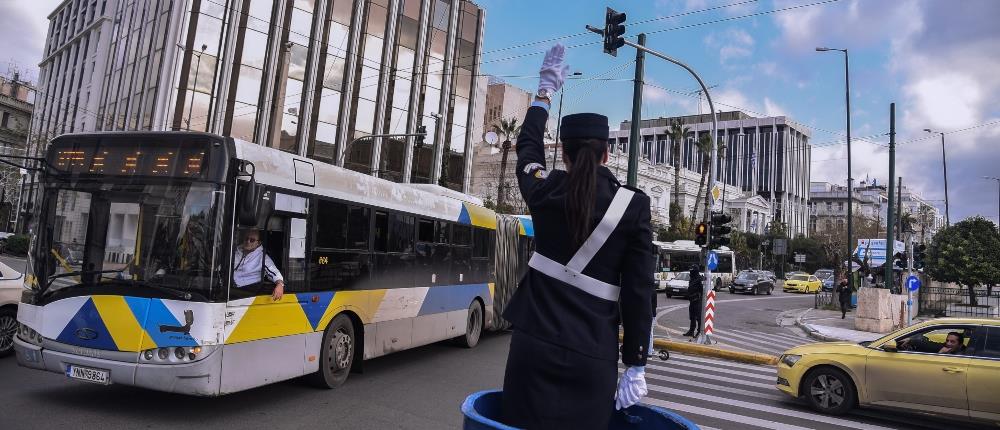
(899, 260)
(614, 28)
(919, 254)
(701, 234)
(720, 231)
(422, 131)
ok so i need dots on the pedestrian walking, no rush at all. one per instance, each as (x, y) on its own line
(591, 271)
(695, 292)
(844, 295)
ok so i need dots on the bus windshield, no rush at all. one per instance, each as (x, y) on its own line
(154, 239)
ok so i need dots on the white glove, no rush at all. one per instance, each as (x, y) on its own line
(553, 72)
(631, 387)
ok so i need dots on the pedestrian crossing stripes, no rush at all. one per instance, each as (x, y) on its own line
(717, 394)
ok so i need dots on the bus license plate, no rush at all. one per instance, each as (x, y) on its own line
(96, 376)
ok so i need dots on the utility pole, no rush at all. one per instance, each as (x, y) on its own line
(634, 137)
(890, 249)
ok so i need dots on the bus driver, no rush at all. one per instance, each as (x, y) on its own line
(247, 265)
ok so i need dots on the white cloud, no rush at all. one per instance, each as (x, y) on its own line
(732, 43)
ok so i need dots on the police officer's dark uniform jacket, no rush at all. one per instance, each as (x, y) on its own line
(573, 331)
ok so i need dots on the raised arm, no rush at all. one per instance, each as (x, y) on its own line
(531, 169)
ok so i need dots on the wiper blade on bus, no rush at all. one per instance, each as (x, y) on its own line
(78, 273)
(176, 292)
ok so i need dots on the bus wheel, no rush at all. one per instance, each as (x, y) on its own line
(474, 326)
(336, 353)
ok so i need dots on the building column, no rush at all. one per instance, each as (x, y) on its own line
(471, 138)
(447, 84)
(347, 97)
(413, 114)
(388, 62)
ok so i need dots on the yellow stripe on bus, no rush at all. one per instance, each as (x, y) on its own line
(364, 303)
(266, 319)
(481, 217)
(121, 323)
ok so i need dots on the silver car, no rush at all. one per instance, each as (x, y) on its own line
(11, 286)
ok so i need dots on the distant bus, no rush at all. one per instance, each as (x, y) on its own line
(130, 260)
(680, 255)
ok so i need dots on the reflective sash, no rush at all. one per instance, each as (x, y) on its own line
(572, 272)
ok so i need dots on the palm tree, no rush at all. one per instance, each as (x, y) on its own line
(677, 134)
(704, 145)
(508, 129)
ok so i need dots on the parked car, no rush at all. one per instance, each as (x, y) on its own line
(751, 282)
(802, 283)
(823, 273)
(678, 286)
(904, 370)
(828, 283)
(11, 285)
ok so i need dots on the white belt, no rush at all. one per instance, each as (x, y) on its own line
(571, 273)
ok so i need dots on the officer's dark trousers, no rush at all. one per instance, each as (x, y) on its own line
(845, 304)
(547, 386)
(694, 315)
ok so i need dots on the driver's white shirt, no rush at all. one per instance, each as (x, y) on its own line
(247, 267)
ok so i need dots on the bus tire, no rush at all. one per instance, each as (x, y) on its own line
(8, 329)
(336, 353)
(473, 327)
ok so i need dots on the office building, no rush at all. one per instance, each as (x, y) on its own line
(309, 77)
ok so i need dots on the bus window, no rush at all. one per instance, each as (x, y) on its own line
(482, 255)
(461, 248)
(392, 261)
(340, 258)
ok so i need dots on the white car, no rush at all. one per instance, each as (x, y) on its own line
(678, 286)
(11, 285)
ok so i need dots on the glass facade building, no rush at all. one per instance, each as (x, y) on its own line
(310, 77)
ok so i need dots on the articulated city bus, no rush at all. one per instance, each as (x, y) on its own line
(680, 255)
(370, 266)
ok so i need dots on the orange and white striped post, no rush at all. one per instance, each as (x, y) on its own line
(709, 314)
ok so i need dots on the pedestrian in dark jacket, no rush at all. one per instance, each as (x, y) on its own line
(695, 292)
(844, 295)
(591, 271)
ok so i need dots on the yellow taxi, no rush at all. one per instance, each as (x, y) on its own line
(802, 284)
(946, 367)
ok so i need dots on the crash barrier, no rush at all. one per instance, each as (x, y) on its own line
(511, 251)
(960, 301)
(825, 298)
(483, 409)
(710, 313)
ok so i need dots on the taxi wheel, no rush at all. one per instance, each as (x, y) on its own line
(336, 353)
(474, 326)
(829, 391)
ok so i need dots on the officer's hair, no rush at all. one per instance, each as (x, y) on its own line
(585, 155)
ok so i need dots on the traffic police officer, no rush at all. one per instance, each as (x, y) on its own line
(695, 294)
(591, 271)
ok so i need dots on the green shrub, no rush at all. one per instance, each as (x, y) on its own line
(17, 244)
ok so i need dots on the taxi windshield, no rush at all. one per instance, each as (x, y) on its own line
(800, 278)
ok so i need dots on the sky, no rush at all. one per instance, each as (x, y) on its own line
(936, 59)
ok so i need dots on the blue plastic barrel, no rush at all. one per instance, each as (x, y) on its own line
(482, 410)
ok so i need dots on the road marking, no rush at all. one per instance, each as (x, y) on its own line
(716, 387)
(712, 377)
(774, 338)
(725, 416)
(712, 370)
(765, 408)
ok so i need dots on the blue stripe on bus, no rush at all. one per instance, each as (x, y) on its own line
(87, 329)
(453, 298)
(314, 310)
(158, 315)
(464, 217)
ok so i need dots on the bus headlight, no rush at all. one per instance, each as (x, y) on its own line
(29, 335)
(175, 354)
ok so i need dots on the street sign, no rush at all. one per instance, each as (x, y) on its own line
(491, 138)
(712, 261)
(779, 247)
(913, 283)
(716, 192)
(800, 258)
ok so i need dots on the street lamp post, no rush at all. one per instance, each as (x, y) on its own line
(850, 178)
(944, 163)
(559, 121)
(194, 88)
(993, 178)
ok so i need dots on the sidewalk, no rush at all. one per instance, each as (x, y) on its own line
(827, 326)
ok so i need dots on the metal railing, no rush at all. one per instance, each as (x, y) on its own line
(956, 302)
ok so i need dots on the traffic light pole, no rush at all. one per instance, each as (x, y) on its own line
(634, 137)
(703, 338)
(890, 248)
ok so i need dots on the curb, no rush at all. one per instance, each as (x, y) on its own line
(811, 332)
(709, 351)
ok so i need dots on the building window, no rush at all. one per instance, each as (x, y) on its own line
(5, 120)
(840, 206)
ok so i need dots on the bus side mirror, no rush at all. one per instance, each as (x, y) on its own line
(248, 205)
